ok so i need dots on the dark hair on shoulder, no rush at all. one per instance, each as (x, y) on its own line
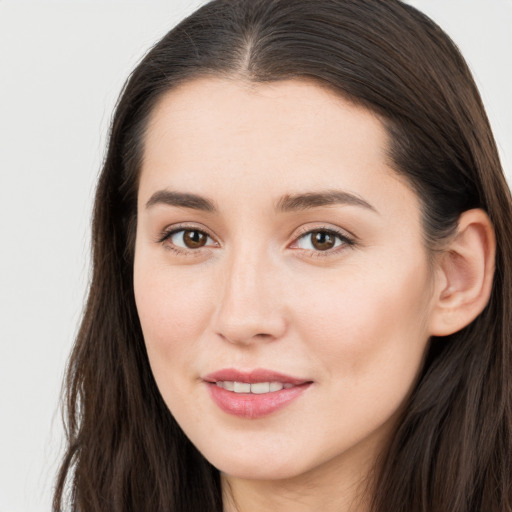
(452, 450)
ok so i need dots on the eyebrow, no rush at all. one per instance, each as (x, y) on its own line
(297, 202)
(287, 203)
(181, 200)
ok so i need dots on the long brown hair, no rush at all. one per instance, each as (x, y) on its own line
(452, 450)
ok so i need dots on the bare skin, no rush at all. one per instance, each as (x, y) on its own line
(273, 234)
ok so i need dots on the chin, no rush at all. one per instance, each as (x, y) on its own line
(247, 471)
(249, 466)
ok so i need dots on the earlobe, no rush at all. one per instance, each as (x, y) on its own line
(465, 274)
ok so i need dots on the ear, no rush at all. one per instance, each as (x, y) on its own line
(465, 271)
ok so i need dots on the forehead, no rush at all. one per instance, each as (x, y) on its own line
(234, 138)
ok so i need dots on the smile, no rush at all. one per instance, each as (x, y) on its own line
(256, 388)
(253, 394)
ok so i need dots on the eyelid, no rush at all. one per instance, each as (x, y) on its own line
(171, 230)
(347, 239)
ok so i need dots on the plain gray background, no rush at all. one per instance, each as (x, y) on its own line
(62, 65)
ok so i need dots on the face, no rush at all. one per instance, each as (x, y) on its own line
(280, 275)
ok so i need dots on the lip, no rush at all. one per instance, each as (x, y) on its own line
(252, 376)
(248, 405)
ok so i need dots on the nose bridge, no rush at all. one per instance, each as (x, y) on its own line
(249, 306)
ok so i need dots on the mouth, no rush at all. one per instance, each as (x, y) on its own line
(255, 393)
(256, 388)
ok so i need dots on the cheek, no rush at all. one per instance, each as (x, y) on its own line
(369, 324)
(368, 336)
(172, 308)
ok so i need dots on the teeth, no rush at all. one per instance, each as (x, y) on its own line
(242, 387)
(257, 388)
(276, 386)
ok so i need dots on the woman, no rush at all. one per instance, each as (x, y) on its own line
(301, 291)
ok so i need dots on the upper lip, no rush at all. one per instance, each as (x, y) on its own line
(252, 376)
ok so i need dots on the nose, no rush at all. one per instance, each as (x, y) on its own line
(250, 307)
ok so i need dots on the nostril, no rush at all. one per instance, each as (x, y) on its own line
(240, 338)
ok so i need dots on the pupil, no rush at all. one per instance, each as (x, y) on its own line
(322, 240)
(194, 239)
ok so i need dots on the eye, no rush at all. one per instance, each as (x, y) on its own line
(188, 238)
(321, 240)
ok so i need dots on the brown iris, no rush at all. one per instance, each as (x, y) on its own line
(194, 239)
(322, 240)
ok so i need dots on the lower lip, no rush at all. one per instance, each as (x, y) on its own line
(252, 406)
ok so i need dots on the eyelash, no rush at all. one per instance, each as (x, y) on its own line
(342, 237)
(168, 233)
